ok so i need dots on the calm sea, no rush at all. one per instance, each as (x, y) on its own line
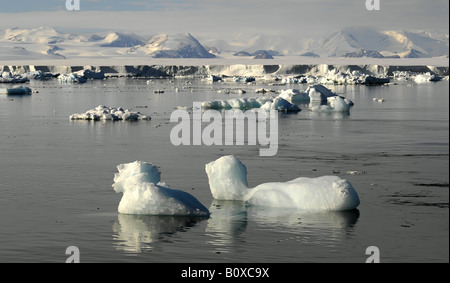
(56, 177)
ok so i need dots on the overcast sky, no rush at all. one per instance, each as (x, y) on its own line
(299, 17)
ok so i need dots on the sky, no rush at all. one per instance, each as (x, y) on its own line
(296, 17)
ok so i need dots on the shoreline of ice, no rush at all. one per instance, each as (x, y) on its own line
(238, 73)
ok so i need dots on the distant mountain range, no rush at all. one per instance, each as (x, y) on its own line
(172, 46)
(371, 43)
(46, 42)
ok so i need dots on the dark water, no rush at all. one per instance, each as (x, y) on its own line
(56, 177)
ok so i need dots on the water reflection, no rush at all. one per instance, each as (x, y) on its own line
(227, 225)
(139, 233)
(229, 220)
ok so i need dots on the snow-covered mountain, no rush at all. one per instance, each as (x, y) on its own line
(172, 46)
(116, 39)
(48, 43)
(387, 43)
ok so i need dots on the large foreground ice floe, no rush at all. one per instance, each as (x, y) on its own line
(145, 194)
(107, 113)
(228, 181)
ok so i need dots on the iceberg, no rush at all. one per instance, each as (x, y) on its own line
(89, 74)
(321, 99)
(71, 78)
(294, 95)
(16, 90)
(425, 78)
(281, 105)
(112, 114)
(319, 93)
(266, 103)
(8, 77)
(145, 194)
(228, 181)
(334, 104)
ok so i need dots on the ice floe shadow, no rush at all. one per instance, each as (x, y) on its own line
(227, 227)
(135, 234)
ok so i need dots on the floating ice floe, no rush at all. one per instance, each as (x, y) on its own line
(320, 97)
(334, 104)
(425, 78)
(335, 76)
(236, 103)
(228, 181)
(145, 194)
(16, 90)
(71, 78)
(81, 76)
(89, 74)
(281, 105)
(106, 113)
(8, 77)
(312, 94)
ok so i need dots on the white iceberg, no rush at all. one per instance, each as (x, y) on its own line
(112, 114)
(319, 93)
(321, 99)
(281, 105)
(71, 78)
(294, 95)
(425, 78)
(334, 104)
(89, 74)
(144, 194)
(267, 103)
(228, 181)
(313, 93)
(8, 77)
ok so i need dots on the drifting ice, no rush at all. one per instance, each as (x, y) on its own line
(105, 113)
(268, 103)
(425, 78)
(71, 78)
(16, 90)
(144, 194)
(228, 181)
(335, 104)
